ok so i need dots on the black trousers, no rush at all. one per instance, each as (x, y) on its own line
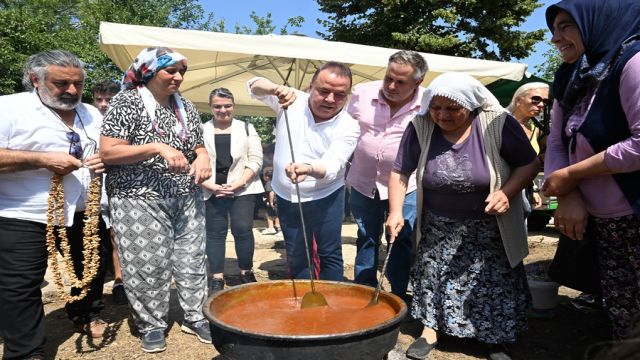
(218, 212)
(23, 263)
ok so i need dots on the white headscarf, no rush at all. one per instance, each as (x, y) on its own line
(461, 88)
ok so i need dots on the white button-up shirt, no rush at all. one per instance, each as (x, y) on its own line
(329, 143)
(26, 124)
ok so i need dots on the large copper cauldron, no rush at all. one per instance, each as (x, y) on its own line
(264, 321)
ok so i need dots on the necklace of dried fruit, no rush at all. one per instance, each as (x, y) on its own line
(91, 240)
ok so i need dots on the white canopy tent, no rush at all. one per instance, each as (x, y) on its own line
(230, 60)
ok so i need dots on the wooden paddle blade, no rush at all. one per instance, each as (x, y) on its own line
(376, 294)
(313, 299)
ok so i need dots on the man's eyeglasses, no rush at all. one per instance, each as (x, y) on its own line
(535, 100)
(75, 146)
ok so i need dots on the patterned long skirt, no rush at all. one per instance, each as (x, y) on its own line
(462, 282)
(619, 261)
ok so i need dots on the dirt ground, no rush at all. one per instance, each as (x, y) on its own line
(566, 333)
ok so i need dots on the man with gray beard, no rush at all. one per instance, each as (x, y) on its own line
(45, 131)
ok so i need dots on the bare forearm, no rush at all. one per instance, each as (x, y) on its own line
(397, 191)
(129, 154)
(520, 178)
(318, 171)
(210, 184)
(57, 162)
(589, 167)
(20, 160)
(200, 150)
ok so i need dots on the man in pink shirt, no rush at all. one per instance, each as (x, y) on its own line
(383, 110)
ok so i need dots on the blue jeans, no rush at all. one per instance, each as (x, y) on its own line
(370, 215)
(218, 212)
(322, 219)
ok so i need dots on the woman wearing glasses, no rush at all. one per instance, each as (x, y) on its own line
(528, 102)
(593, 154)
(153, 147)
(526, 105)
(236, 158)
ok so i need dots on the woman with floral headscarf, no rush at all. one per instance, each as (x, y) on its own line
(152, 143)
(593, 153)
(473, 159)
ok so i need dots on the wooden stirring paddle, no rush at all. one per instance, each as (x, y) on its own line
(313, 298)
(376, 294)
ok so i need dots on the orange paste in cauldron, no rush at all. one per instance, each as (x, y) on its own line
(276, 311)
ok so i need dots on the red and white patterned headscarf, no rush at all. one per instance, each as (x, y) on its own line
(148, 62)
(144, 67)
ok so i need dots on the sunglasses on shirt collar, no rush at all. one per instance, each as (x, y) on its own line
(75, 146)
(538, 99)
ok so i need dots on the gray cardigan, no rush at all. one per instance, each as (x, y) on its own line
(512, 228)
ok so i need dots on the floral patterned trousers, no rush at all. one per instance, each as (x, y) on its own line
(619, 262)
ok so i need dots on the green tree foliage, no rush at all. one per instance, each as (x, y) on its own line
(552, 62)
(263, 125)
(24, 30)
(484, 29)
(30, 26)
(264, 25)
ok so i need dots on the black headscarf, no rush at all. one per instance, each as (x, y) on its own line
(605, 25)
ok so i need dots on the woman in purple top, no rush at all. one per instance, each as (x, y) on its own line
(472, 161)
(593, 155)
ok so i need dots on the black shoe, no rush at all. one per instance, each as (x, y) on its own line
(215, 285)
(248, 277)
(420, 349)
(498, 352)
(119, 297)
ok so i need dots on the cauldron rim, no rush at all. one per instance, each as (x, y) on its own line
(316, 337)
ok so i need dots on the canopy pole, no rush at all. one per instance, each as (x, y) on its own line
(296, 73)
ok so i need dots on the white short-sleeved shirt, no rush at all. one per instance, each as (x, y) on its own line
(329, 143)
(26, 124)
